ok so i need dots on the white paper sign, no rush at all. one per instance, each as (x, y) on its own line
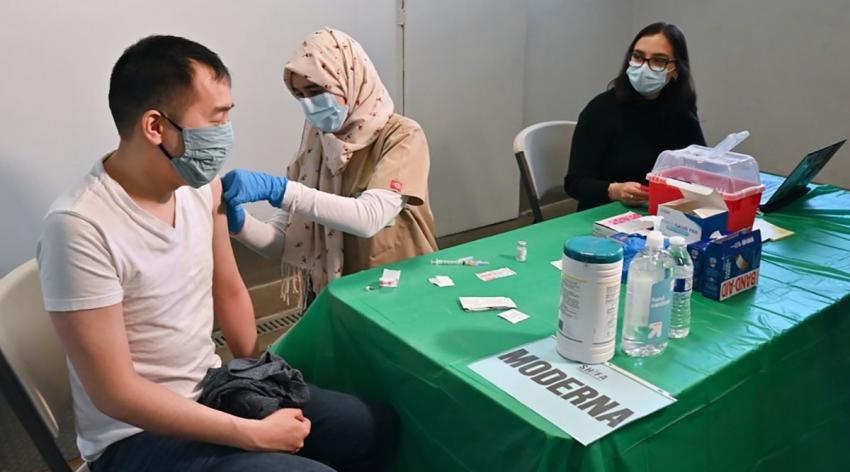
(585, 401)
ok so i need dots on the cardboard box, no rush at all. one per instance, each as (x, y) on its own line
(698, 216)
(628, 223)
(731, 264)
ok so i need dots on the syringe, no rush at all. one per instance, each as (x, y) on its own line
(466, 262)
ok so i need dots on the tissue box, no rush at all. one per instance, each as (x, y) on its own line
(731, 264)
(696, 217)
(628, 223)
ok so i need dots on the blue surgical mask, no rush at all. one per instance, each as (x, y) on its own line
(204, 152)
(323, 112)
(645, 80)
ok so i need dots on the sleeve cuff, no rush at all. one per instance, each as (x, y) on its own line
(264, 238)
(88, 303)
(293, 190)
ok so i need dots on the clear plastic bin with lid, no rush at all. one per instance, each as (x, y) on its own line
(735, 176)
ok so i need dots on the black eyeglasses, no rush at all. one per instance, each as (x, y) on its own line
(657, 64)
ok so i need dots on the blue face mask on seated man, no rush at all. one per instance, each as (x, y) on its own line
(205, 150)
(323, 112)
(645, 80)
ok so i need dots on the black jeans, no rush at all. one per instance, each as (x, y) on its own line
(346, 434)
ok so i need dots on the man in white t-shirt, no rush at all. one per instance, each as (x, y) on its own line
(135, 262)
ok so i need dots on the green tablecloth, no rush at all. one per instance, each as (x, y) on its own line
(762, 382)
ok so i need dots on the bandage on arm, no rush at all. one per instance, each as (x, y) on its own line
(363, 216)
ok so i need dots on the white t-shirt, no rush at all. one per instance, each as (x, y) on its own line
(99, 248)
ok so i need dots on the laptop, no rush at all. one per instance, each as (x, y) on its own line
(778, 194)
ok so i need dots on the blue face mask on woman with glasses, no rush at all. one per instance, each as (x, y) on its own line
(648, 76)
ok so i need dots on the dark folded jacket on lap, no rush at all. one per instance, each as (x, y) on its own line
(254, 388)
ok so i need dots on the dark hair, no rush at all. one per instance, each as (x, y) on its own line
(679, 95)
(156, 72)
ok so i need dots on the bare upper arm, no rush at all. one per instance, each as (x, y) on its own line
(226, 278)
(96, 343)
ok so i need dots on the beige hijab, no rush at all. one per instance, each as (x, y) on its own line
(313, 254)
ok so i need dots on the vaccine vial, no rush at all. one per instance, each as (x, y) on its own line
(521, 251)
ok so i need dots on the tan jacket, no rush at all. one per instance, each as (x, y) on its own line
(398, 160)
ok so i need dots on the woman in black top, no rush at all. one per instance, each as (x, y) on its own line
(650, 107)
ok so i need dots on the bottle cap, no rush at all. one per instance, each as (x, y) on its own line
(655, 240)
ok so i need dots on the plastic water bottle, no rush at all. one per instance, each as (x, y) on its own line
(649, 293)
(680, 317)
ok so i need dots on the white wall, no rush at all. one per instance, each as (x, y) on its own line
(779, 68)
(56, 59)
(477, 72)
(573, 49)
(464, 70)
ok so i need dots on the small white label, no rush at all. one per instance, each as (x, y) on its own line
(495, 274)
(442, 281)
(390, 278)
(559, 264)
(513, 316)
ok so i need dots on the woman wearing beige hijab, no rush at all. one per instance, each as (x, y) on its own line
(356, 195)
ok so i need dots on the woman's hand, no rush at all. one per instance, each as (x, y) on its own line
(243, 186)
(629, 193)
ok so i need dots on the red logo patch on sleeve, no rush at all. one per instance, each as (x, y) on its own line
(395, 185)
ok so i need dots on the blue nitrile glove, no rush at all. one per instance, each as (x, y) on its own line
(632, 245)
(243, 186)
(235, 219)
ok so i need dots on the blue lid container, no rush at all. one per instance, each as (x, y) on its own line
(593, 250)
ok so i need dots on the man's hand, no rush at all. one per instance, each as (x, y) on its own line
(630, 193)
(283, 430)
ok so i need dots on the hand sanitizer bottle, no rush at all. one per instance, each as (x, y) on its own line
(649, 295)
